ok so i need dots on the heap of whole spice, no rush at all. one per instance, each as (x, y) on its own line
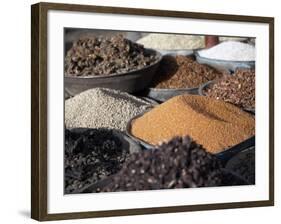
(215, 124)
(102, 56)
(238, 89)
(102, 108)
(182, 72)
(179, 163)
(91, 155)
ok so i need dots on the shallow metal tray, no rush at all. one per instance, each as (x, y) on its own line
(162, 95)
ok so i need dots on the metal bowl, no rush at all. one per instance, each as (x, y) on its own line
(224, 64)
(130, 82)
(207, 85)
(162, 95)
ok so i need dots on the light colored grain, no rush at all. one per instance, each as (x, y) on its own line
(102, 108)
(172, 41)
(230, 51)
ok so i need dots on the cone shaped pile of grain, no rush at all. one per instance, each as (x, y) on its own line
(215, 124)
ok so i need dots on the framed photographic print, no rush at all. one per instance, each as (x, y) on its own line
(138, 111)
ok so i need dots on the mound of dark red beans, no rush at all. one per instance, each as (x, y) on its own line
(90, 156)
(180, 163)
(102, 56)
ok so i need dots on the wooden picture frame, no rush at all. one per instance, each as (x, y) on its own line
(39, 109)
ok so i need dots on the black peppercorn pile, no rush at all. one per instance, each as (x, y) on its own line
(180, 163)
(90, 156)
(101, 56)
(238, 89)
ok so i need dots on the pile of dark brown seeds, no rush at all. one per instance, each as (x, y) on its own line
(238, 89)
(101, 56)
(90, 156)
(180, 163)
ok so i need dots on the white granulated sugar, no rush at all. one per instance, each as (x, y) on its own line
(172, 41)
(102, 108)
(230, 51)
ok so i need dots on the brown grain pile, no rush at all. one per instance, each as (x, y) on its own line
(183, 72)
(214, 124)
(238, 89)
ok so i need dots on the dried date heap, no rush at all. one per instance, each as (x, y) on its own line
(238, 89)
(179, 163)
(90, 156)
(102, 56)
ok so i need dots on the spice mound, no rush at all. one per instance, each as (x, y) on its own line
(230, 51)
(172, 41)
(102, 56)
(102, 108)
(183, 72)
(238, 89)
(179, 163)
(91, 155)
(215, 124)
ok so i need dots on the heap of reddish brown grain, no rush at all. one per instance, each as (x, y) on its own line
(214, 124)
(183, 72)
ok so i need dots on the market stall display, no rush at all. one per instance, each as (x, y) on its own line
(118, 138)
